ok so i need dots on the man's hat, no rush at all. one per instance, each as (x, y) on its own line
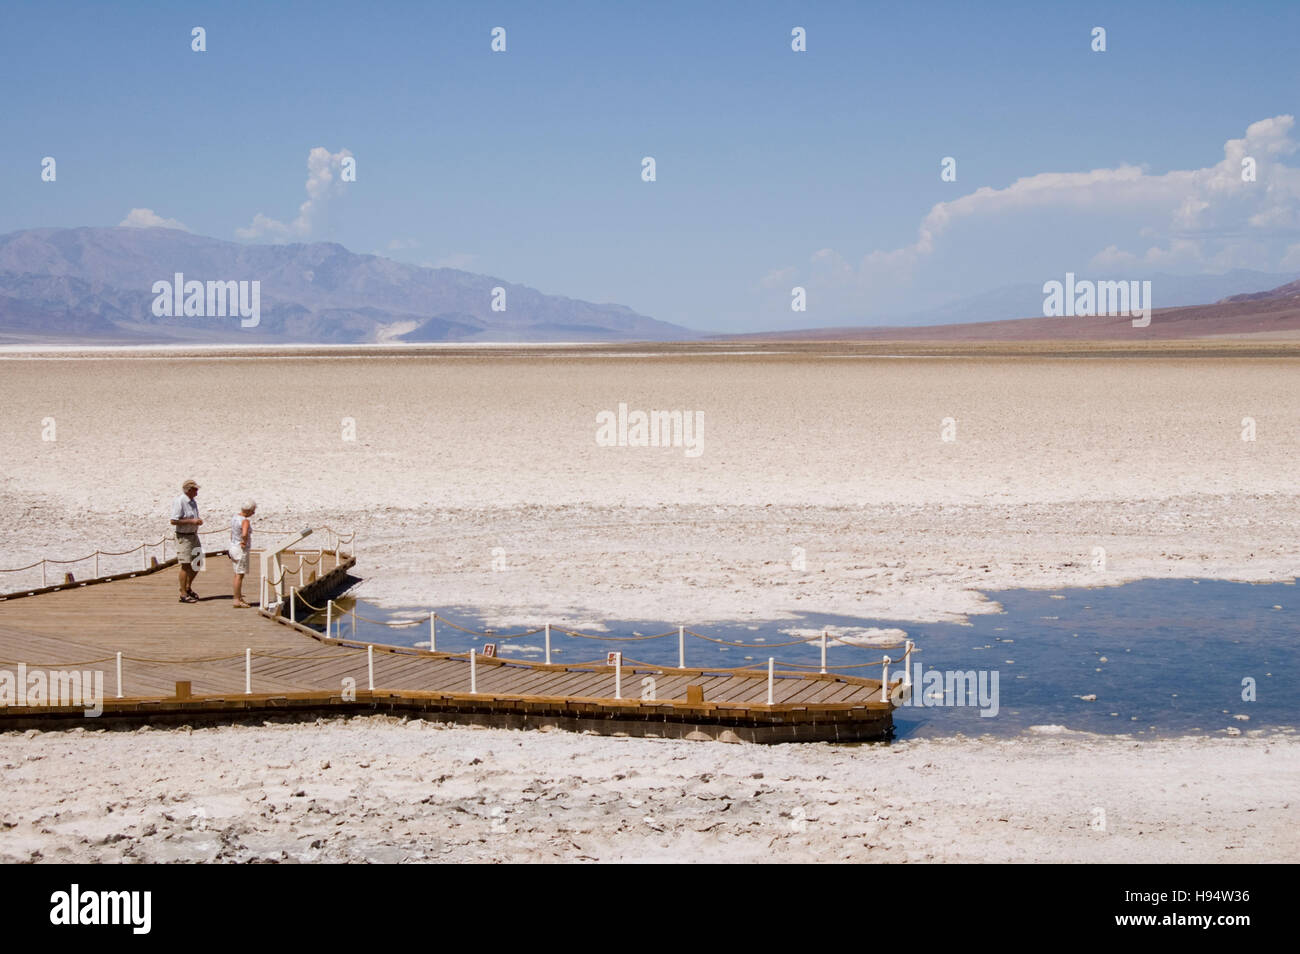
(189, 484)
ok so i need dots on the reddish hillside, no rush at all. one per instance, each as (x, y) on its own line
(1290, 290)
(1272, 312)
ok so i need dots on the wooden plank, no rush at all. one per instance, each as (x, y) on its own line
(527, 682)
(565, 683)
(584, 683)
(162, 641)
(801, 695)
(749, 691)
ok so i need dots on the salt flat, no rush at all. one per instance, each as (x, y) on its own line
(381, 790)
(466, 461)
(462, 461)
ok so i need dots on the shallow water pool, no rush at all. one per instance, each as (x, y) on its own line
(1161, 657)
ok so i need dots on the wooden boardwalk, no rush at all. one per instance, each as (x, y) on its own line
(220, 651)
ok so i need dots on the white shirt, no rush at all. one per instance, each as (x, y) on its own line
(183, 508)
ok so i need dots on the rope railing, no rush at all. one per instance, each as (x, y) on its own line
(809, 667)
(57, 665)
(294, 599)
(824, 640)
(286, 572)
(262, 530)
(19, 569)
(487, 632)
(273, 590)
(144, 544)
(201, 659)
(612, 639)
(316, 609)
(617, 664)
(401, 624)
(115, 552)
(145, 547)
(728, 642)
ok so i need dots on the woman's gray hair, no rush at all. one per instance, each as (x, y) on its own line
(249, 506)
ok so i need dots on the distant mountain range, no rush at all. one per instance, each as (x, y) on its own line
(1287, 292)
(1025, 299)
(95, 285)
(1272, 314)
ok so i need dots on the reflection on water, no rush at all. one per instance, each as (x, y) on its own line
(1151, 658)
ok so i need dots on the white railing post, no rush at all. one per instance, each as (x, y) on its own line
(293, 612)
(248, 672)
(97, 564)
(370, 667)
(884, 680)
(144, 554)
(473, 673)
(433, 633)
(681, 647)
(354, 620)
(119, 675)
(548, 644)
(771, 663)
(823, 652)
(329, 616)
(618, 675)
(43, 583)
(907, 664)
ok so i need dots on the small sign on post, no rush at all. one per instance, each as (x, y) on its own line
(489, 650)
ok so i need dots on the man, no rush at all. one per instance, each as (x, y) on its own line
(241, 540)
(185, 518)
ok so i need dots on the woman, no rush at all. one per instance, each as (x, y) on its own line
(241, 541)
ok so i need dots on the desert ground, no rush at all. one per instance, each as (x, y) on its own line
(460, 458)
(381, 790)
(466, 458)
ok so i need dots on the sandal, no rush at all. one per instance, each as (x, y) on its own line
(241, 605)
(187, 598)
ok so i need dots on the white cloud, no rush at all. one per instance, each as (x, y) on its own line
(149, 219)
(1179, 252)
(1112, 256)
(460, 260)
(778, 278)
(1197, 218)
(323, 181)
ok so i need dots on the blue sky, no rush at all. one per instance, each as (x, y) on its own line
(774, 168)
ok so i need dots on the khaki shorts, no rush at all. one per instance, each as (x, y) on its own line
(186, 544)
(239, 557)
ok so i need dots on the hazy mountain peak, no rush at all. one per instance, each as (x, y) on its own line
(98, 281)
